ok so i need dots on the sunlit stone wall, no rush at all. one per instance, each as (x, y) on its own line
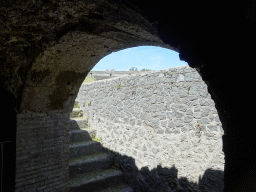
(162, 117)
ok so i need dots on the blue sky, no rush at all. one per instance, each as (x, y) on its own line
(150, 57)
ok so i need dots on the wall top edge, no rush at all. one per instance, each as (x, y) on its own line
(139, 71)
(141, 74)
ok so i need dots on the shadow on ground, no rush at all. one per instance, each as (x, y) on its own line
(162, 179)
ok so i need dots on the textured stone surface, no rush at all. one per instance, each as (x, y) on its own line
(159, 122)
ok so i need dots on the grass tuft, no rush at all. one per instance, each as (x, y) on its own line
(88, 80)
(96, 139)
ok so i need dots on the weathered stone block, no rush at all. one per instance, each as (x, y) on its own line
(204, 102)
(157, 107)
(205, 111)
(177, 100)
(160, 131)
(139, 122)
(132, 121)
(148, 109)
(180, 78)
(197, 108)
(187, 119)
(129, 115)
(153, 99)
(204, 121)
(165, 93)
(203, 128)
(175, 107)
(212, 128)
(193, 90)
(214, 111)
(126, 120)
(189, 77)
(192, 97)
(168, 99)
(190, 127)
(142, 115)
(189, 112)
(211, 118)
(160, 99)
(176, 131)
(221, 129)
(184, 129)
(209, 134)
(193, 103)
(174, 90)
(178, 114)
(170, 124)
(197, 115)
(157, 80)
(148, 117)
(217, 119)
(183, 108)
(163, 123)
(178, 122)
(204, 93)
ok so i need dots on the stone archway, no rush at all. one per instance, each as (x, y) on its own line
(49, 47)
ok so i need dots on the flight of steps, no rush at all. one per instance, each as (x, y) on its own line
(91, 169)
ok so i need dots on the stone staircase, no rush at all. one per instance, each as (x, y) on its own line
(90, 168)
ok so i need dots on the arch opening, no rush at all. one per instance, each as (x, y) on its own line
(37, 64)
(153, 155)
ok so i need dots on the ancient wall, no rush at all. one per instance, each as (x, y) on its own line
(42, 152)
(101, 75)
(164, 117)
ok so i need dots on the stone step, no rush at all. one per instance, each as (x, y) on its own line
(89, 163)
(76, 124)
(81, 135)
(118, 188)
(76, 112)
(96, 180)
(83, 148)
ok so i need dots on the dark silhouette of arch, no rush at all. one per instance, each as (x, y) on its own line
(7, 141)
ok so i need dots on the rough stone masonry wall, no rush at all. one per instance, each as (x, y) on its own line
(163, 117)
(42, 152)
